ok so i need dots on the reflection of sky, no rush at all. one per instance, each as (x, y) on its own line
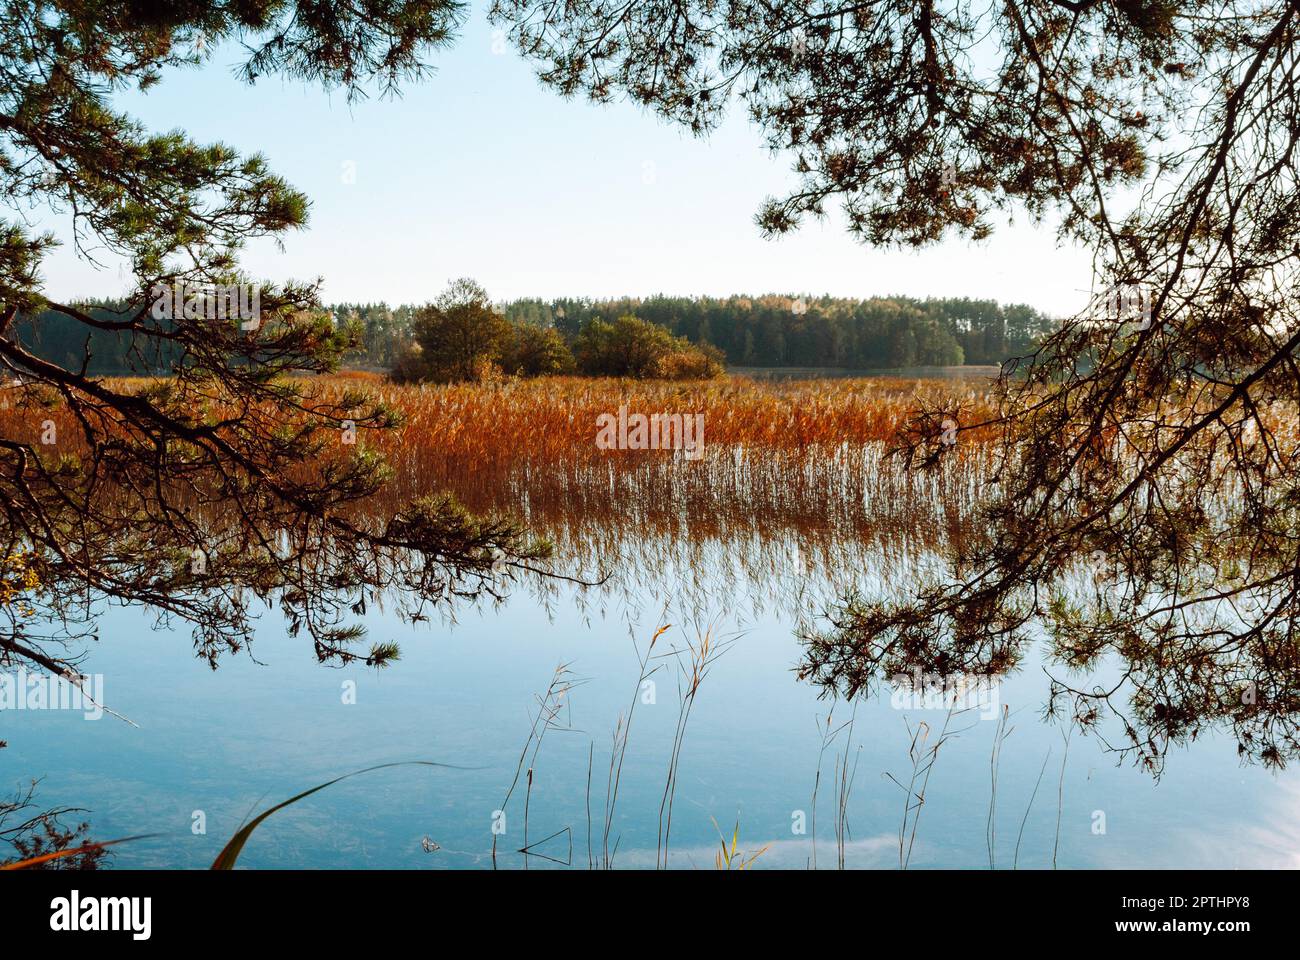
(247, 736)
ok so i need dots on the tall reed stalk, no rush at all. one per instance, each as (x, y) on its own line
(702, 653)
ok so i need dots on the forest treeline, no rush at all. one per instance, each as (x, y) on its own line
(770, 330)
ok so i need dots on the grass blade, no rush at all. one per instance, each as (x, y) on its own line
(230, 852)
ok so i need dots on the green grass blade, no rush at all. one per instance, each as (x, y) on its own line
(230, 852)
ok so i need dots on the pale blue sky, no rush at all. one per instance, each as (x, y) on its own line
(481, 172)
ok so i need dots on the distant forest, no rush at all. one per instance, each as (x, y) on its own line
(765, 331)
(773, 330)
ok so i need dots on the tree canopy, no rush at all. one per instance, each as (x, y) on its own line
(232, 482)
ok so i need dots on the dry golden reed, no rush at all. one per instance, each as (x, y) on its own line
(794, 475)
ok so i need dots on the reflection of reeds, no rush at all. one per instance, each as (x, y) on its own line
(995, 757)
(549, 705)
(843, 790)
(702, 653)
(828, 736)
(923, 755)
(1060, 794)
(618, 750)
(844, 778)
(694, 664)
(1015, 859)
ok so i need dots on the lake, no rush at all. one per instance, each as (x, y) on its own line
(752, 553)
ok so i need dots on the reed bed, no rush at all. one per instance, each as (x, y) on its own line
(794, 477)
(779, 447)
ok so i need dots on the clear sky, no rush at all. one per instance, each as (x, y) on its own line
(481, 172)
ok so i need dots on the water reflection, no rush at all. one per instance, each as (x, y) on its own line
(756, 545)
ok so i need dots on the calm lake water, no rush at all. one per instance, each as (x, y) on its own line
(253, 733)
(213, 748)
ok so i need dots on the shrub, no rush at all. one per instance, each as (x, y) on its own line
(631, 347)
(692, 362)
(408, 366)
(461, 338)
(458, 333)
(536, 351)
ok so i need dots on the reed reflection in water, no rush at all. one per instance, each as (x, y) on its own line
(794, 504)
